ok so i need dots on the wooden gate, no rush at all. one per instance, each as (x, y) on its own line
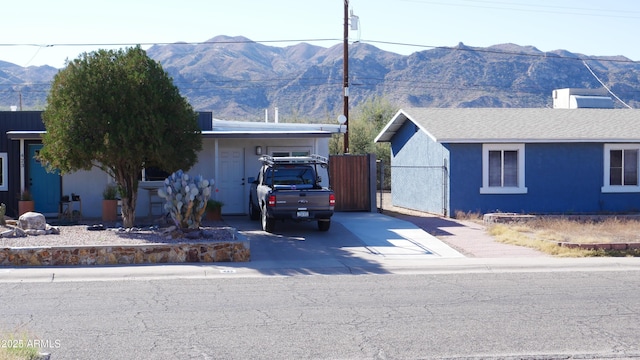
(353, 181)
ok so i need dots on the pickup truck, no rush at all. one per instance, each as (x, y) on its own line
(288, 188)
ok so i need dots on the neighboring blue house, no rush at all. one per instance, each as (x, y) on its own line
(560, 161)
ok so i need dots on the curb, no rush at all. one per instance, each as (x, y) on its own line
(238, 249)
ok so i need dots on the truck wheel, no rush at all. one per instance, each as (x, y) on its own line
(324, 225)
(268, 224)
(253, 211)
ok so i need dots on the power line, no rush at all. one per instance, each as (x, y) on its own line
(496, 51)
(329, 80)
(424, 46)
(247, 41)
(552, 9)
(605, 86)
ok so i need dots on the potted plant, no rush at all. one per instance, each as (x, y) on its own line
(110, 203)
(25, 203)
(214, 210)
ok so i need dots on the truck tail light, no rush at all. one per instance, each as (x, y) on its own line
(272, 200)
(332, 200)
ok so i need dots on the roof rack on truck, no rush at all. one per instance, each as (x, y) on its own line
(311, 159)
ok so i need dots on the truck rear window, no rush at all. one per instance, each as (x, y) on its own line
(290, 176)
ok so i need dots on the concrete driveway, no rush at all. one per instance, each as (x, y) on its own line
(355, 240)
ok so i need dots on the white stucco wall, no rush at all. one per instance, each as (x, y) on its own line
(90, 184)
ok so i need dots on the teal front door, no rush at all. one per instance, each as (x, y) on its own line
(44, 186)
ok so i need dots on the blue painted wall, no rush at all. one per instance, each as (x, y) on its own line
(16, 121)
(418, 171)
(560, 178)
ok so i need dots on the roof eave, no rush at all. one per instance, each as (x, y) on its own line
(37, 135)
(530, 141)
(265, 134)
(390, 129)
(25, 135)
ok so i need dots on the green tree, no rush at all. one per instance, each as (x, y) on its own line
(119, 111)
(366, 121)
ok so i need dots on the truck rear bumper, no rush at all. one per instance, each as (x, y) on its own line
(293, 215)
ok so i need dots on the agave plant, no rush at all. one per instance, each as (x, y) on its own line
(186, 198)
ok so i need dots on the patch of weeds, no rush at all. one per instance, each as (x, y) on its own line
(545, 236)
(17, 347)
(469, 216)
(618, 253)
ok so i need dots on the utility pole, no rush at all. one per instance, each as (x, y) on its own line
(346, 76)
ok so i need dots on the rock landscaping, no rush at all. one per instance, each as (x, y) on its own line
(30, 241)
(30, 223)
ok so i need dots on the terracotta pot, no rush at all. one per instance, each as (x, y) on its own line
(109, 210)
(25, 206)
(215, 215)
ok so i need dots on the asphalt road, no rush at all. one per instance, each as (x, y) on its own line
(526, 315)
(306, 295)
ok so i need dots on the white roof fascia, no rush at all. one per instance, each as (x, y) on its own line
(387, 126)
(397, 121)
(234, 125)
(430, 135)
(538, 141)
(25, 134)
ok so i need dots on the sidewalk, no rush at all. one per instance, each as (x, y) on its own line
(391, 237)
(467, 237)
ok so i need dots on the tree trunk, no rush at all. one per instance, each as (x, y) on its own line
(129, 209)
(129, 198)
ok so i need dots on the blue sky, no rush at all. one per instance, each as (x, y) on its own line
(29, 28)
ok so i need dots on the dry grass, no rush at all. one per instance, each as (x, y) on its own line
(544, 234)
(608, 230)
(17, 347)
(469, 216)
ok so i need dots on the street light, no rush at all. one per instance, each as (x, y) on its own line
(341, 120)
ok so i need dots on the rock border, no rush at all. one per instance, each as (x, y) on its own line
(90, 255)
(506, 218)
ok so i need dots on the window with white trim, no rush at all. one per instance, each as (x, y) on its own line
(621, 165)
(4, 181)
(503, 169)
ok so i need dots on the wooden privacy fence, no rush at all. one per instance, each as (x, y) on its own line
(353, 181)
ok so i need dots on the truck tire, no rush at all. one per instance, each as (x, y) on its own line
(254, 213)
(268, 224)
(324, 225)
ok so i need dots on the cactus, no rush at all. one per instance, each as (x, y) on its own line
(186, 198)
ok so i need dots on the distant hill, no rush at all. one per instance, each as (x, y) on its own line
(237, 79)
(31, 83)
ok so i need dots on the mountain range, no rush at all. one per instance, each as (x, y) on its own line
(237, 79)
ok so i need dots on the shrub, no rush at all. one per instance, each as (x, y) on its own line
(214, 205)
(186, 198)
(110, 192)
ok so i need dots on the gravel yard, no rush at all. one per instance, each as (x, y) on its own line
(80, 235)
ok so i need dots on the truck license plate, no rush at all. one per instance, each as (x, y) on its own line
(303, 214)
